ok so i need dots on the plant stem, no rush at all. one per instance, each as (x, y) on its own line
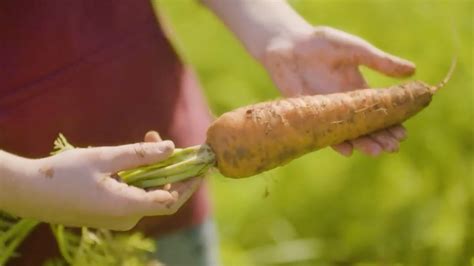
(197, 170)
(183, 164)
(177, 156)
(18, 232)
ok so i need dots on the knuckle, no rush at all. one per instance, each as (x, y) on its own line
(93, 153)
(138, 149)
(322, 30)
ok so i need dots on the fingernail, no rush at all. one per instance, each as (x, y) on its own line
(375, 150)
(175, 194)
(165, 145)
(347, 152)
(399, 133)
(404, 134)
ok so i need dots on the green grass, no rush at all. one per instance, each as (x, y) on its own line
(412, 208)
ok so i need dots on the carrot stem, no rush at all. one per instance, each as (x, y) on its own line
(183, 164)
(14, 236)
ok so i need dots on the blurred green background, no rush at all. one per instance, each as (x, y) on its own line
(415, 207)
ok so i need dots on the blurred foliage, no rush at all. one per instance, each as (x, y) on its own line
(415, 207)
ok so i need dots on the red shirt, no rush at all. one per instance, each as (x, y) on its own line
(102, 73)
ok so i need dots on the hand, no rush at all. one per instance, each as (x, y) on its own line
(75, 187)
(323, 60)
(186, 188)
(182, 190)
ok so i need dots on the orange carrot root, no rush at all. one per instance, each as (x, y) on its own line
(256, 138)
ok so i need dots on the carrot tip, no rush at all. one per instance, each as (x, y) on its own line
(448, 76)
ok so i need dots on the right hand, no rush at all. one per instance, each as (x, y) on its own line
(76, 188)
(324, 60)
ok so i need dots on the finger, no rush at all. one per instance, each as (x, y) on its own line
(399, 132)
(352, 79)
(180, 192)
(381, 61)
(367, 146)
(385, 139)
(344, 148)
(117, 158)
(130, 200)
(362, 52)
(152, 136)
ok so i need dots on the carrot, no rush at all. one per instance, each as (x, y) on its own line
(257, 138)
(260, 137)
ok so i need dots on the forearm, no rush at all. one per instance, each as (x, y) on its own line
(257, 22)
(15, 171)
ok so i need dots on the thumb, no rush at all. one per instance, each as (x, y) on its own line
(388, 64)
(118, 158)
(152, 136)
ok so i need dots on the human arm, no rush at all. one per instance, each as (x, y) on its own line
(302, 59)
(75, 187)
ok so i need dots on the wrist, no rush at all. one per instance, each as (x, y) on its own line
(286, 32)
(257, 23)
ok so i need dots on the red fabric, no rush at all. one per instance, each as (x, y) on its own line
(102, 73)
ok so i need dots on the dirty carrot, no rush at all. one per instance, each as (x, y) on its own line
(259, 137)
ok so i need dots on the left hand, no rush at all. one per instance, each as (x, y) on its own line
(184, 189)
(325, 60)
(78, 187)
